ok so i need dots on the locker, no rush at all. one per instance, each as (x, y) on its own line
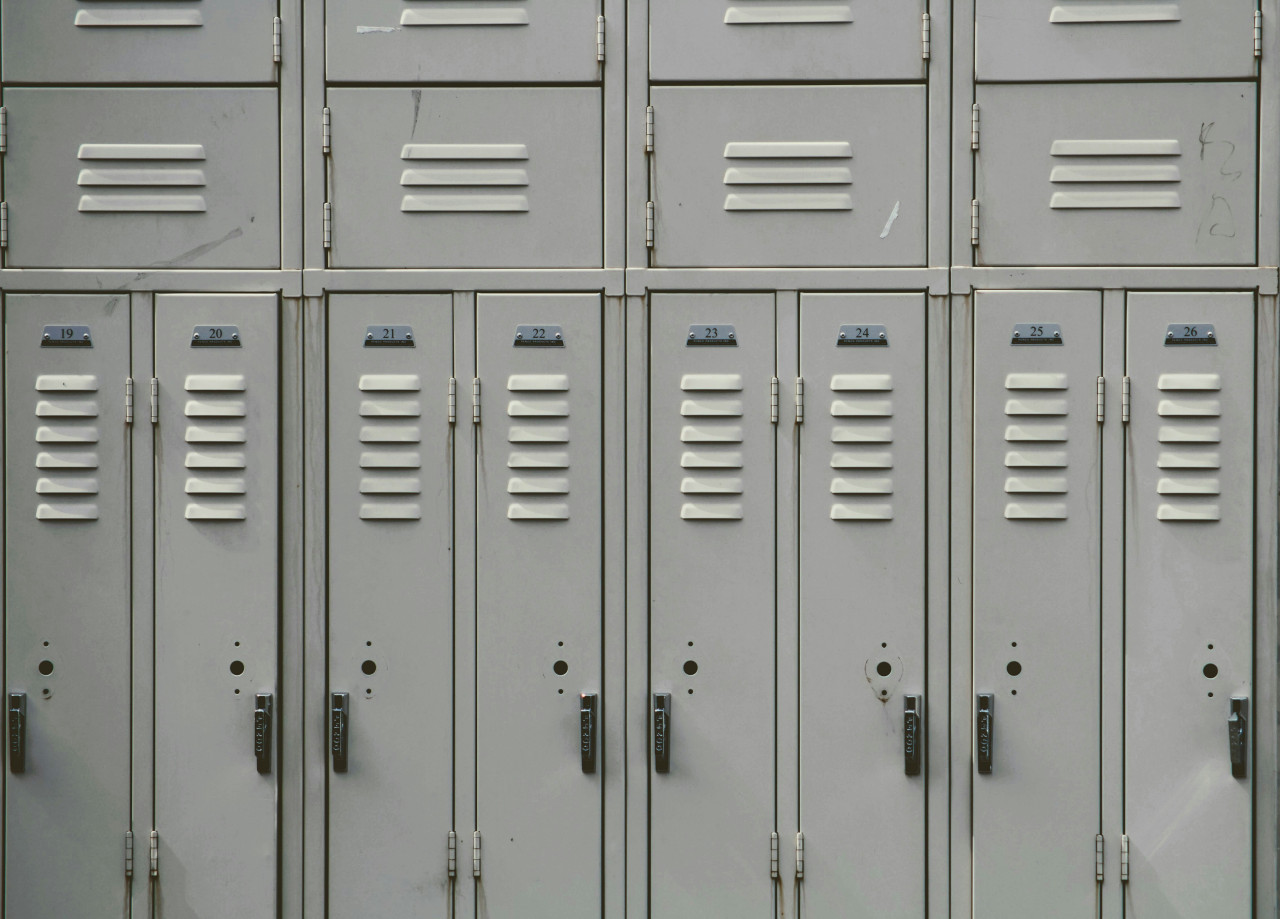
(188, 41)
(1189, 603)
(1114, 39)
(390, 602)
(464, 41)
(67, 598)
(216, 612)
(1117, 174)
(466, 178)
(539, 595)
(1036, 602)
(862, 602)
(142, 178)
(762, 40)
(807, 176)
(712, 578)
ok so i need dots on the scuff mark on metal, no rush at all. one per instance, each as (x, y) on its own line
(893, 215)
(365, 30)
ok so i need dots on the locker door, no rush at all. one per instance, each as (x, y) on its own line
(466, 178)
(811, 176)
(190, 41)
(391, 602)
(1114, 39)
(518, 41)
(1036, 615)
(862, 602)
(538, 595)
(712, 610)
(1189, 604)
(216, 603)
(758, 40)
(67, 601)
(1119, 174)
(133, 178)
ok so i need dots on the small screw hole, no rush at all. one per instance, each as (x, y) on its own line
(884, 644)
(368, 644)
(884, 668)
(237, 644)
(561, 691)
(1210, 646)
(1210, 694)
(1013, 644)
(560, 667)
(237, 667)
(884, 692)
(1013, 692)
(237, 692)
(46, 644)
(46, 667)
(690, 644)
(368, 692)
(560, 644)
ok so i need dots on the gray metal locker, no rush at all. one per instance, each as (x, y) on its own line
(766, 40)
(808, 176)
(390, 603)
(1114, 39)
(1112, 174)
(862, 602)
(539, 552)
(142, 178)
(466, 178)
(1037, 574)
(216, 585)
(712, 577)
(463, 41)
(1189, 605)
(68, 609)
(170, 41)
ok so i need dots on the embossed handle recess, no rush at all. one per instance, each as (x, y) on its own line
(986, 732)
(662, 732)
(338, 712)
(587, 730)
(1238, 736)
(912, 725)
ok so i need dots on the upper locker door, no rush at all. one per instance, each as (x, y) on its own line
(390, 603)
(1189, 605)
(217, 527)
(712, 609)
(67, 600)
(426, 41)
(466, 178)
(539, 592)
(766, 40)
(804, 176)
(1114, 39)
(160, 41)
(1120, 174)
(1037, 574)
(862, 603)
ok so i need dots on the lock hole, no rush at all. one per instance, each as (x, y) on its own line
(884, 668)
(1211, 670)
(237, 667)
(560, 667)
(45, 667)
(1014, 668)
(691, 667)
(368, 668)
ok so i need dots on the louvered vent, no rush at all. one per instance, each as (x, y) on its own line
(1115, 174)
(390, 456)
(465, 178)
(1036, 458)
(216, 436)
(1071, 12)
(67, 435)
(465, 13)
(787, 12)
(862, 458)
(1189, 457)
(712, 435)
(788, 176)
(141, 178)
(146, 14)
(538, 432)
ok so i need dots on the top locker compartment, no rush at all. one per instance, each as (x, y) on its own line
(1114, 39)
(463, 41)
(786, 40)
(146, 41)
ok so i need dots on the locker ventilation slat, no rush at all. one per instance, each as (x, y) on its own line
(463, 186)
(1073, 12)
(746, 13)
(451, 13)
(147, 15)
(216, 434)
(538, 458)
(152, 179)
(388, 434)
(790, 170)
(1108, 174)
(68, 408)
(861, 482)
(1190, 410)
(713, 489)
(1037, 407)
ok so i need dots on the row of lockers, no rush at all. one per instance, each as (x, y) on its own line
(747, 176)
(560, 41)
(142, 491)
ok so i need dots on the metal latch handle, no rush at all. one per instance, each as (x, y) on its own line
(338, 714)
(986, 732)
(662, 732)
(1238, 736)
(912, 724)
(587, 730)
(17, 732)
(262, 731)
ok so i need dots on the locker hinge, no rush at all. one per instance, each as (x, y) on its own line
(648, 224)
(277, 39)
(973, 222)
(1257, 33)
(1124, 401)
(4, 129)
(328, 225)
(799, 856)
(475, 854)
(799, 400)
(155, 401)
(1097, 852)
(1102, 399)
(925, 50)
(326, 131)
(155, 854)
(475, 419)
(128, 853)
(773, 400)
(453, 854)
(773, 856)
(1124, 859)
(600, 39)
(4, 224)
(648, 128)
(453, 415)
(128, 404)
(975, 127)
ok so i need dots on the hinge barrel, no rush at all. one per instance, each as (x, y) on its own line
(1124, 400)
(128, 400)
(974, 210)
(277, 39)
(155, 854)
(975, 127)
(453, 854)
(600, 39)
(773, 856)
(648, 224)
(475, 854)
(475, 401)
(155, 401)
(925, 39)
(326, 130)
(799, 400)
(4, 224)
(773, 400)
(1098, 843)
(4, 129)
(1124, 859)
(799, 856)
(453, 400)
(1102, 399)
(1257, 33)
(328, 225)
(648, 129)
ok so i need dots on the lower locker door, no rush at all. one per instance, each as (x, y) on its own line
(390, 604)
(1036, 604)
(538, 582)
(67, 602)
(1189, 606)
(216, 604)
(862, 602)
(712, 608)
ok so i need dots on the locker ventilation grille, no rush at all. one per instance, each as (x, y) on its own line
(148, 15)
(465, 178)
(539, 454)
(1189, 457)
(390, 456)
(453, 13)
(141, 178)
(789, 171)
(1115, 174)
(216, 434)
(1091, 11)
(862, 460)
(773, 12)
(1036, 460)
(713, 455)
(67, 459)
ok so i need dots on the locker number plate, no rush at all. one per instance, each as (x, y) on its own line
(66, 336)
(1191, 333)
(388, 336)
(876, 336)
(539, 336)
(1037, 333)
(216, 336)
(715, 336)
